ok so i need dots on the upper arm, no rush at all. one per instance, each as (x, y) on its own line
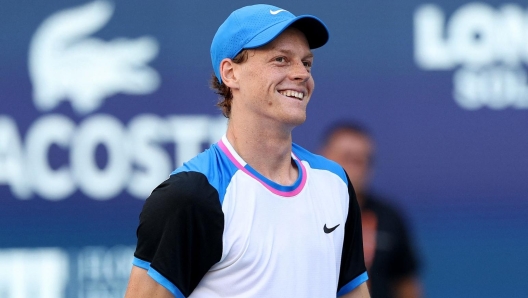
(360, 292)
(180, 233)
(352, 271)
(142, 285)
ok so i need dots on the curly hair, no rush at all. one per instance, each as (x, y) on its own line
(226, 96)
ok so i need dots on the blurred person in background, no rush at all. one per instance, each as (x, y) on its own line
(389, 256)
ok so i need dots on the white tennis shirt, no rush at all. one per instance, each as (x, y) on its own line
(217, 228)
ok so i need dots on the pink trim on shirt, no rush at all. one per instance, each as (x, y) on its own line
(292, 193)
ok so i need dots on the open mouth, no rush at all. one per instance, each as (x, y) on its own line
(292, 94)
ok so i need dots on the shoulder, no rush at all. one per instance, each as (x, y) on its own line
(384, 209)
(319, 162)
(180, 191)
(213, 165)
(205, 162)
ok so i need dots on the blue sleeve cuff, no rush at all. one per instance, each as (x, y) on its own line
(353, 284)
(158, 277)
(140, 263)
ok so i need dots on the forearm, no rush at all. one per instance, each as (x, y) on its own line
(360, 292)
(408, 287)
(141, 285)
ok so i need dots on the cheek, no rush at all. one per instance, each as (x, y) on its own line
(310, 84)
(259, 79)
(251, 83)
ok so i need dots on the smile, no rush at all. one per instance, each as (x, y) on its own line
(292, 93)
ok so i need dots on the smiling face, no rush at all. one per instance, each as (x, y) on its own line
(275, 83)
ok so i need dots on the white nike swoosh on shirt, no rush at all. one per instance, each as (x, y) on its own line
(276, 11)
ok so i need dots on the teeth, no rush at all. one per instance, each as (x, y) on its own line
(292, 93)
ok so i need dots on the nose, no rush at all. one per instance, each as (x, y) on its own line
(300, 72)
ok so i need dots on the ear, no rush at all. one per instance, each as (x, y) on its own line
(228, 73)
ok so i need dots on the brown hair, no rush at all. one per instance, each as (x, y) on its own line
(226, 96)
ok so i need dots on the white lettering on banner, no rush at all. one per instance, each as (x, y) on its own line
(98, 183)
(94, 271)
(152, 161)
(49, 183)
(12, 164)
(136, 158)
(489, 44)
(496, 87)
(36, 273)
(103, 272)
(66, 64)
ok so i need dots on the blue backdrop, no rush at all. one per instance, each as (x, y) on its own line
(99, 101)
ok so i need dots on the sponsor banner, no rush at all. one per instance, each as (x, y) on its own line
(101, 100)
(487, 48)
(94, 271)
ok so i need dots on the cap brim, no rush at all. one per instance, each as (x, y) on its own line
(314, 29)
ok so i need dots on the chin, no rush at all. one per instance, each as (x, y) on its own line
(296, 120)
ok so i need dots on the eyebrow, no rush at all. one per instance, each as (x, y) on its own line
(309, 55)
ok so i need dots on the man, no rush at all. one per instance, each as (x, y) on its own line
(389, 257)
(255, 215)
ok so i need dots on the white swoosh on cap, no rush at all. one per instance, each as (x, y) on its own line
(276, 11)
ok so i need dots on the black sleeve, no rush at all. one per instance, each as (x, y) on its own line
(180, 230)
(404, 262)
(352, 258)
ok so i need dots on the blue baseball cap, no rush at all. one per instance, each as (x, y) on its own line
(253, 26)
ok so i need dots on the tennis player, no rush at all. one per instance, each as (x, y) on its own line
(255, 215)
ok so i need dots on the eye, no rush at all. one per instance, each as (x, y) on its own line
(280, 59)
(307, 64)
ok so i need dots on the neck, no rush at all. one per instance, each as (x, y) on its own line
(265, 148)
